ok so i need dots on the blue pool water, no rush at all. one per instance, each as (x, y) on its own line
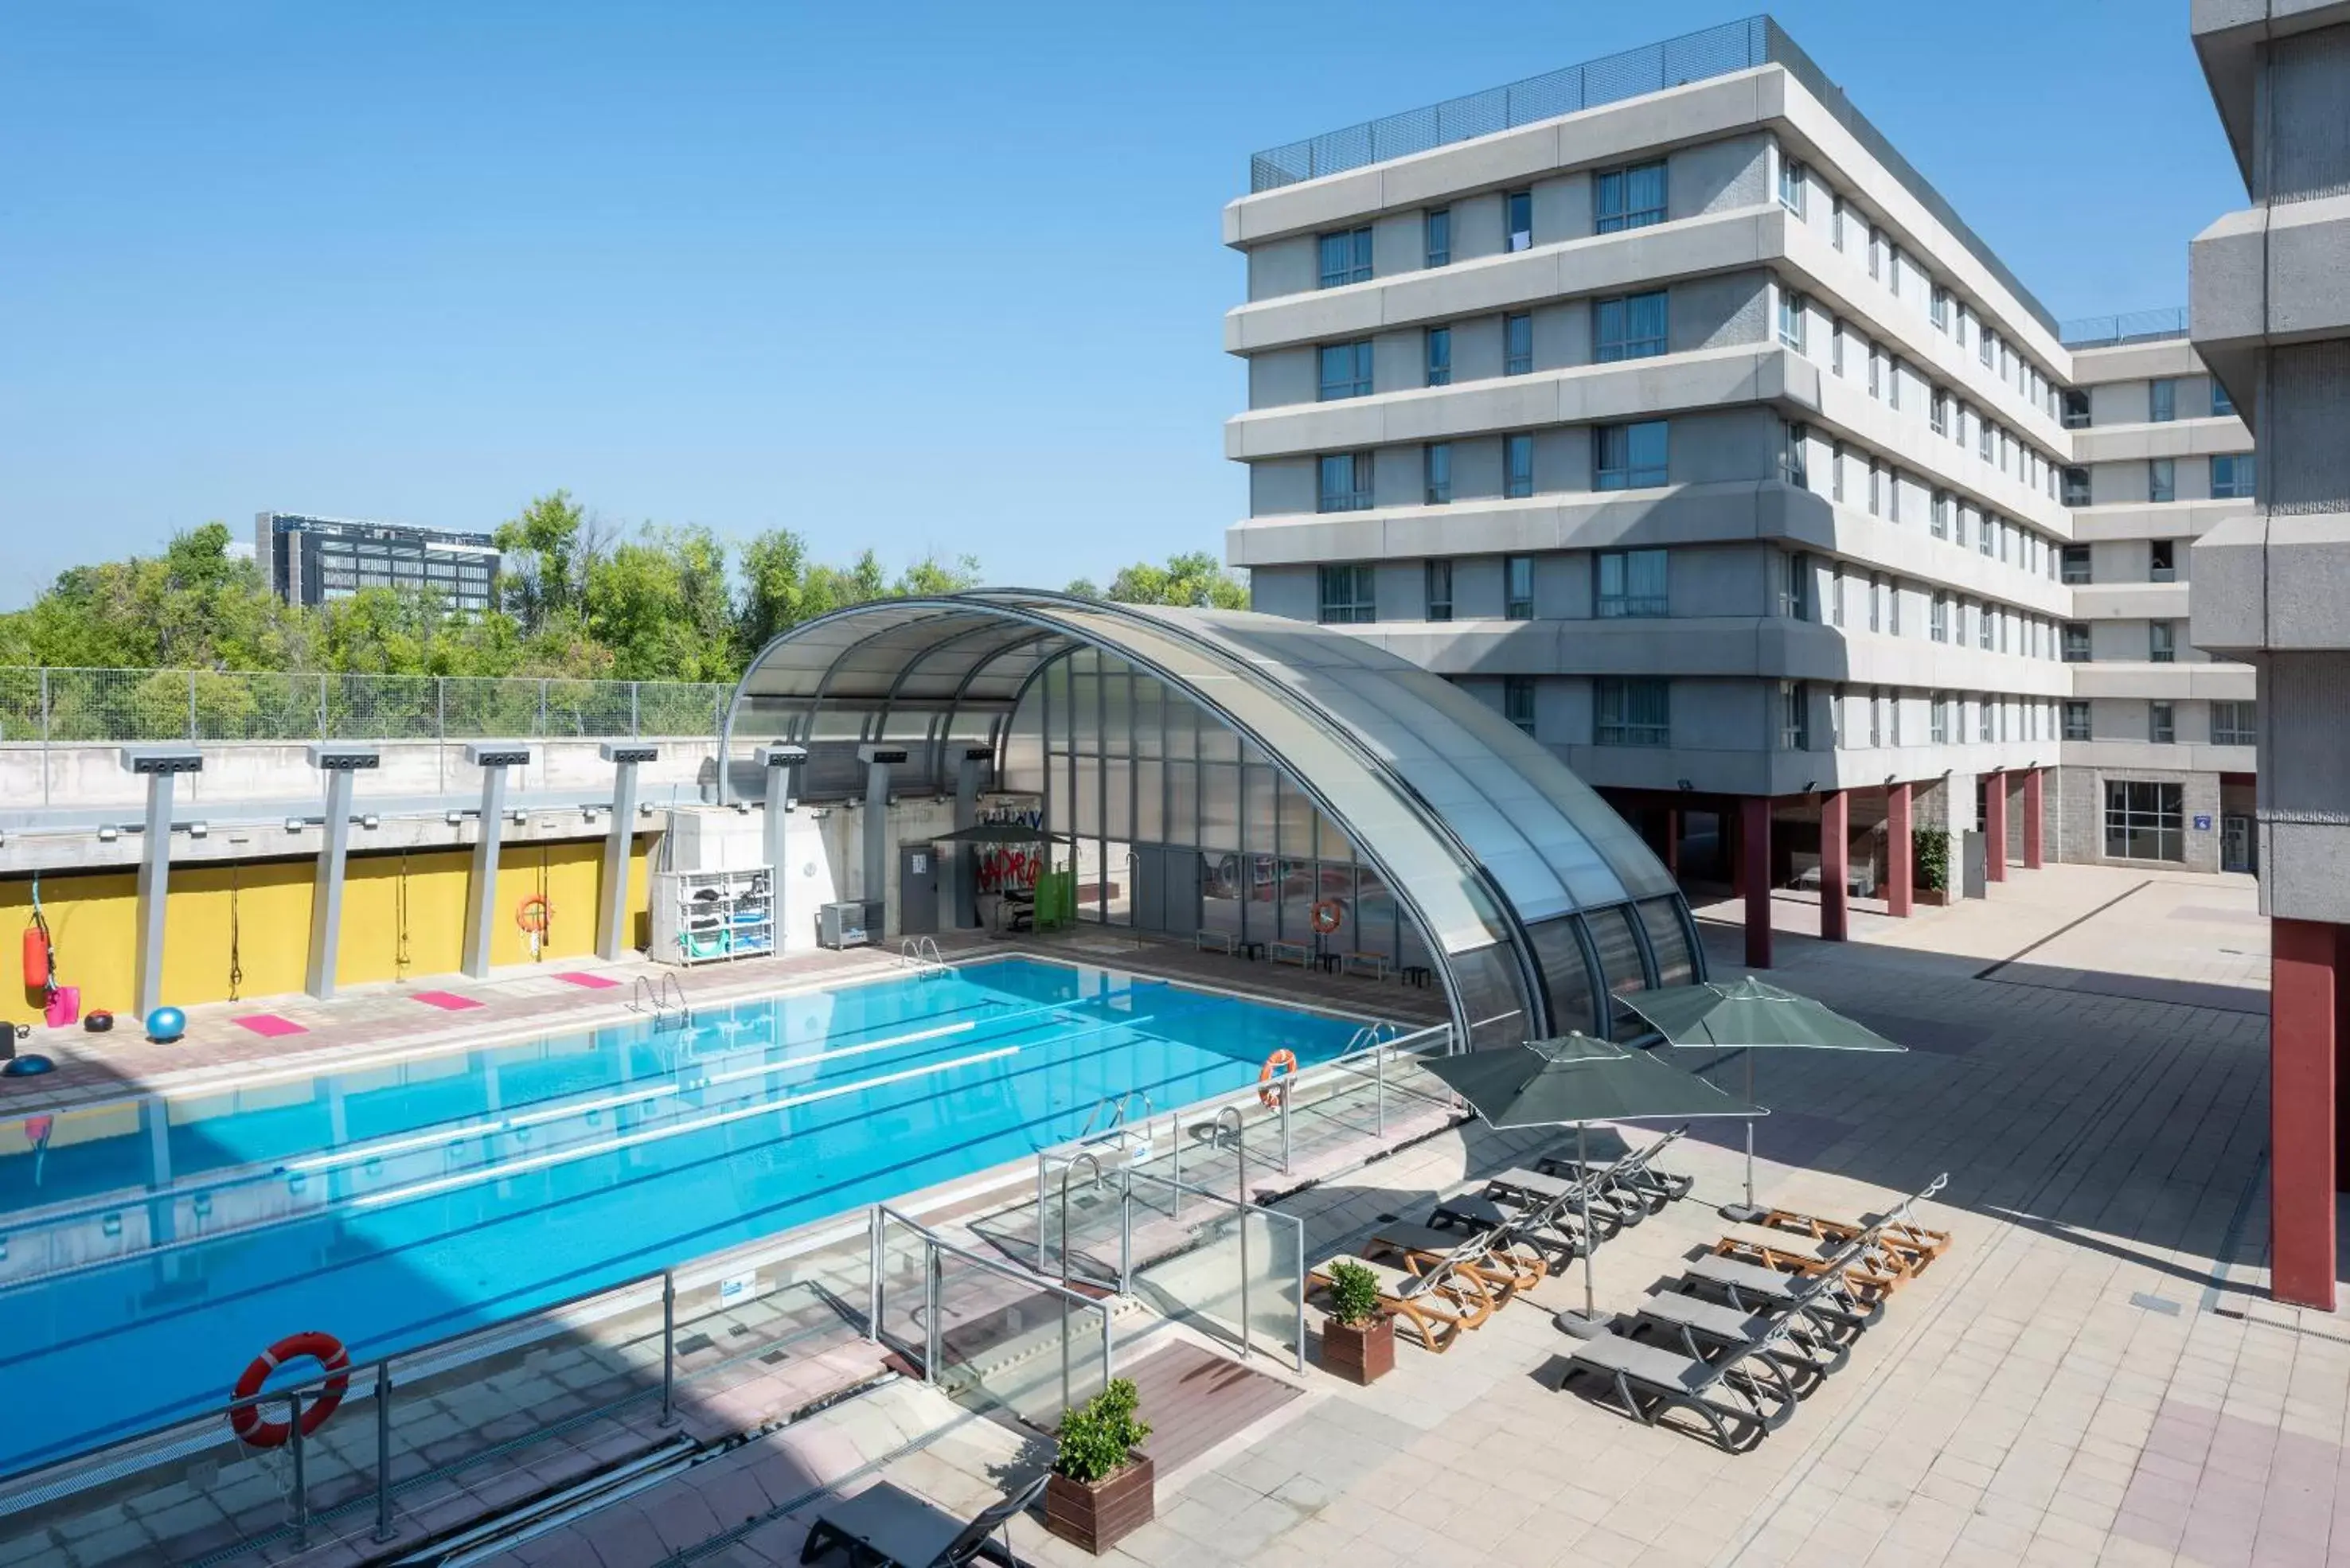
(152, 1247)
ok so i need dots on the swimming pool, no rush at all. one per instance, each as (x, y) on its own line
(153, 1245)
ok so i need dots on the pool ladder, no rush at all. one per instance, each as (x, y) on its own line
(663, 997)
(921, 955)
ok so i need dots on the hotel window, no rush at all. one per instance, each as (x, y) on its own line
(1893, 380)
(1791, 319)
(1632, 582)
(1439, 576)
(1986, 628)
(1983, 719)
(2161, 642)
(1939, 723)
(1893, 268)
(2161, 479)
(1519, 206)
(1629, 457)
(1517, 345)
(1518, 588)
(1346, 371)
(1893, 494)
(2076, 642)
(2233, 723)
(1986, 345)
(1791, 185)
(1939, 414)
(1876, 489)
(1835, 473)
(1436, 474)
(2144, 821)
(1438, 234)
(2162, 401)
(1631, 712)
(1893, 606)
(1835, 349)
(1440, 356)
(1985, 442)
(1876, 716)
(1939, 524)
(1875, 371)
(1630, 326)
(1938, 308)
(2161, 556)
(1795, 460)
(1795, 716)
(1835, 224)
(2076, 409)
(2231, 477)
(1518, 701)
(1630, 198)
(2076, 564)
(1347, 595)
(1876, 244)
(1938, 625)
(2221, 403)
(1345, 482)
(2077, 487)
(1346, 257)
(1796, 586)
(2161, 724)
(1835, 594)
(2076, 721)
(1517, 466)
(1876, 602)
(1987, 536)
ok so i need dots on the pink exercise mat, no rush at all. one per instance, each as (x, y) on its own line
(447, 1000)
(581, 977)
(270, 1025)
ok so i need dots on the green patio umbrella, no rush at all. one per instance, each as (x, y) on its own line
(1749, 1016)
(1574, 1081)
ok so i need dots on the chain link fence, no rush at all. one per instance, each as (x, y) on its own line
(66, 707)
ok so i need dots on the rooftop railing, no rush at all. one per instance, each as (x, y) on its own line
(2129, 326)
(1716, 51)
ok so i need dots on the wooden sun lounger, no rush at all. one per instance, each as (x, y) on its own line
(1894, 1226)
(1864, 1258)
(1649, 1379)
(1560, 1241)
(1637, 1173)
(1494, 1258)
(1437, 1310)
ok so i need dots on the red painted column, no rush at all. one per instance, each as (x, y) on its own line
(1673, 842)
(1733, 828)
(2302, 1040)
(2031, 817)
(1835, 848)
(1754, 871)
(1995, 826)
(1899, 862)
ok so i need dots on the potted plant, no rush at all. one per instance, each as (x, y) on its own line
(1932, 847)
(1358, 1339)
(1100, 1489)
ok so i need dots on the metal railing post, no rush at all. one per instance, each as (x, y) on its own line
(542, 706)
(1126, 1233)
(1285, 1080)
(384, 1530)
(1379, 1099)
(933, 1269)
(1298, 1352)
(301, 1499)
(633, 730)
(45, 736)
(669, 1349)
(873, 1289)
(325, 727)
(194, 734)
(441, 708)
(1040, 1210)
(1108, 1360)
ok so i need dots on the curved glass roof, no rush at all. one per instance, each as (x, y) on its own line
(1483, 832)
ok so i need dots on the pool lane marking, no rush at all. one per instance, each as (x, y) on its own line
(563, 1155)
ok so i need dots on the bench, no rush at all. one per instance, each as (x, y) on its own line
(1223, 941)
(1289, 952)
(1376, 963)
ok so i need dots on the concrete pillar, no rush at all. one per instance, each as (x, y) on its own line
(878, 761)
(494, 758)
(159, 766)
(1995, 827)
(1754, 873)
(970, 769)
(2034, 822)
(619, 844)
(1733, 835)
(337, 761)
(1900, 860)
(2305, 968)
(778, 765)
(1836, 848)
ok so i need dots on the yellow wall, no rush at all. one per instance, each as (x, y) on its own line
(92, 917)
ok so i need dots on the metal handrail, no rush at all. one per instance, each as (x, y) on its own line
(1244, 1208)
(934, 1246)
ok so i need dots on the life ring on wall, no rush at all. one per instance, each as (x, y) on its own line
(246, 1420)
(1285, 1060)
(534, 915)
(1329, 914)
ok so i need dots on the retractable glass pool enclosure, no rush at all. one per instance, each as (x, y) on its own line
(1230, 771)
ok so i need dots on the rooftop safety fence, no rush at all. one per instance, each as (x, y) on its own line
(2128, 327)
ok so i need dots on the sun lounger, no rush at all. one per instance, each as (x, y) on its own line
(1707, 1329)
(1649, 1379)
(1437, 1309)
(1894, 1226)
(1639, 1177)
(1864, 1257)
(1494, 1257)
(1829, 1298)
(1559, 1240)
(886, 1527)
(1525, 1188)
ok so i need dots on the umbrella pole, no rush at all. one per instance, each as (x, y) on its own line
(1746, 1212)
(1585, 1324)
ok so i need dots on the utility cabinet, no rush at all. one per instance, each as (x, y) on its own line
(699, 917)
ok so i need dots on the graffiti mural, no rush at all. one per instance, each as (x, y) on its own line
(1013, 868)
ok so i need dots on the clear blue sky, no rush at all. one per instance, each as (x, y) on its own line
(910, 275)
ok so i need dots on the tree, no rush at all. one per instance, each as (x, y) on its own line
(658, 605)
(549, 551)
(1192, 579)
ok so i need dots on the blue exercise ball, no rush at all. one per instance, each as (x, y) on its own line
(166, 1025)
(26, 1066)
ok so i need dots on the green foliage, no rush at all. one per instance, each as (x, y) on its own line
(1354, 1294)
(1097, 1437)
(1932, 848)
(1192, 579)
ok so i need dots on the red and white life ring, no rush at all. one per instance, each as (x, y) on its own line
(1285, 1061)
(246, 1420)
(1329, 914)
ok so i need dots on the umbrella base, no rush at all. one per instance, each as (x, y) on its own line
(1583, 1326)
(1742, 1213)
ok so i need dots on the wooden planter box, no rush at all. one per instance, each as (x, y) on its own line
(1095, 1516)
(1362, 1354)
(1933, 897)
